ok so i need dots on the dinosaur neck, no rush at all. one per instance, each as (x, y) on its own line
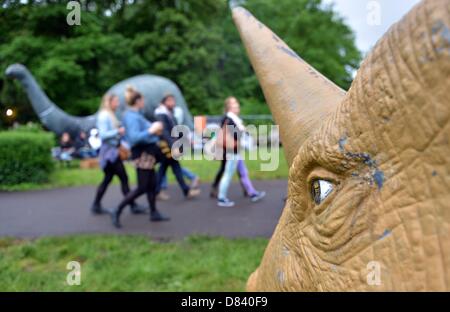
(39, 100)
(55, 119)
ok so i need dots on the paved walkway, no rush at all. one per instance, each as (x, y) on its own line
(66, 212)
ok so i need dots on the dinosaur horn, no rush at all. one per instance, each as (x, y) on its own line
(298, 95)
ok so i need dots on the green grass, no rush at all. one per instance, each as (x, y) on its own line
(129, 263)
(70, 177)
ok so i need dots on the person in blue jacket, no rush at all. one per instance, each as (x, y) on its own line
(111, 132)
(142, 136)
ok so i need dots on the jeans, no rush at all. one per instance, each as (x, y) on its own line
(186, 174)
(243, 177)
(177, 171)
(230, 169)
(219, 174)
(86, 153)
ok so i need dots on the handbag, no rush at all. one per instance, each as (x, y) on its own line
(225, 139)
(124, 152)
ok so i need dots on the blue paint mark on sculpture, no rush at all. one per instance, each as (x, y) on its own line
(385, 234)
(377, 175)
(441, 37)
(290, 53)
(342, 143)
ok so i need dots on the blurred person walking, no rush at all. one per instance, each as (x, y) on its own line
(195, 180)
(111, 133)
(164, 113)
(142, 137)
(232, 127)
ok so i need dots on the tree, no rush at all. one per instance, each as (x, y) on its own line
(315, 32)
(192, 42)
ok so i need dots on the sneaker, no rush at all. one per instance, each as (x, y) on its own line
(193, 193)
(225, 203)
(116, 219)
(163, 196)
(156, 216)
(257, 197)
(97, 209)
(138, 209)
(195, 183)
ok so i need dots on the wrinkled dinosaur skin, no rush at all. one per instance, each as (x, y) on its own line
(386, 149)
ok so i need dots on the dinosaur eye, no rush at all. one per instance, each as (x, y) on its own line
(320, 190)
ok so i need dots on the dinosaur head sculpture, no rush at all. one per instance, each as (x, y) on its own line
(369, 182)
(16, 71)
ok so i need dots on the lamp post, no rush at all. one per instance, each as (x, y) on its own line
(10, 116)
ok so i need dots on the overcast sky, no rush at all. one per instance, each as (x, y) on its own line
(361, 16)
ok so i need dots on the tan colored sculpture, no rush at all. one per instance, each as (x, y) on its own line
(369, 179)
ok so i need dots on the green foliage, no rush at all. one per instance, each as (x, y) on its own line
(192, 42)
(30, 127)
(25, 156)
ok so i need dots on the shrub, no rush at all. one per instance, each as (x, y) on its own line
(29, 127)
(25, 157)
